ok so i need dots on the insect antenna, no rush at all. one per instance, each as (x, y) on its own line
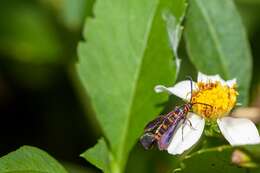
(190, 78)
(202, 104)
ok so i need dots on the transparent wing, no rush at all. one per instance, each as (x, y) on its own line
(165, 139)
(152, 125)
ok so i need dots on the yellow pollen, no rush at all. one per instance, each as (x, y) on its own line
(221, 99)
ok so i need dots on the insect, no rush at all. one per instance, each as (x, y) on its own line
(160, 130)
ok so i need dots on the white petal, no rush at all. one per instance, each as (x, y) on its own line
(239, 131)
(210, 78)
(191, 134)
(181, 89)
(231, 82)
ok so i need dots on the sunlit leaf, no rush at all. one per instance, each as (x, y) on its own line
(217, 42)
(74, 12)
(126, 53)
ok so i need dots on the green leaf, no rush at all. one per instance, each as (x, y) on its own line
(73, 167)
(217, 160)
(98, 155)
(73, 12)
(127, 52)
(248, 2)
(29, 160)
(175, 28)
(254, 150)
(217, 42)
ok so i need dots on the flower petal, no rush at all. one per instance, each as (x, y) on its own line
(181, 89)
(209, 78)
(231, 82)
(191, 134)
(239, 131)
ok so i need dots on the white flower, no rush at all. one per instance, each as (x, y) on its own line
(221, 95)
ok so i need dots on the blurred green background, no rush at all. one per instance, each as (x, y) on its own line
(41, 103)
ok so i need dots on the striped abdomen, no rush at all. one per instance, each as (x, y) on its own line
(172, 119)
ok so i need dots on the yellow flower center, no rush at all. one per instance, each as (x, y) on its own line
(214, 99)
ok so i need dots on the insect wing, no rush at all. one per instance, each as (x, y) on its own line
(152, 125)
(165, 139)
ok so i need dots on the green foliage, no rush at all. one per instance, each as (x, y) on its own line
(130, 46)
(98, 155)
(28, 35)
(217, 43)
(218, 160)
(74, 12)
(211, 128)
(123, 58)
(71, 13)
(29, 160)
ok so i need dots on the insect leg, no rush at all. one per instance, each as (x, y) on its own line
(182, 128)
(190, 124)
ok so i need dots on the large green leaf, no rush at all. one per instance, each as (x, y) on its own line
(29, 160)
(126, 53)
(218, 160)
(73, 12)
(217, 42)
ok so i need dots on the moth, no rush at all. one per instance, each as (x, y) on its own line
(161, 130)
